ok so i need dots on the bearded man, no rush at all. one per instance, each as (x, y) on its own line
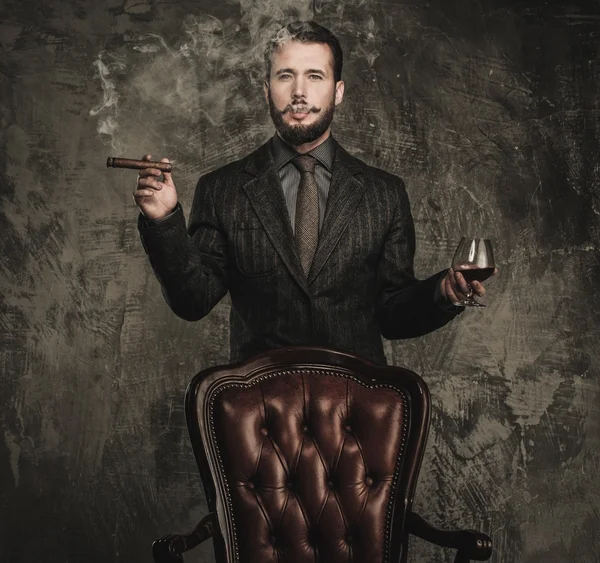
(314, 246)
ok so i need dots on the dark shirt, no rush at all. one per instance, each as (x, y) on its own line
(289, 175)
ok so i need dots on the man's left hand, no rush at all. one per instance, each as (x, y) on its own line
(454, 287)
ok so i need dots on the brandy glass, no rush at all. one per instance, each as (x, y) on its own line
(474, 259)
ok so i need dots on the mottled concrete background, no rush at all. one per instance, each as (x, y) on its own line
(488, 109)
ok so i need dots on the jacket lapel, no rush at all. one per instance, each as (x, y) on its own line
(266, 197)
(345, 193)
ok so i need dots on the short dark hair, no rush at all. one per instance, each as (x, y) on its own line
(307, 32)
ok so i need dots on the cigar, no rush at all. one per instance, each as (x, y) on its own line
(115, 162)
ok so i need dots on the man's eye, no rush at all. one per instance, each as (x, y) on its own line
(284, 76)
(317, 76)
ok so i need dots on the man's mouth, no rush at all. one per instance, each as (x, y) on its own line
(299, 115)
(300, 112)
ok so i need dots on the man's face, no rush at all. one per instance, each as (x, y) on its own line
(302, 93)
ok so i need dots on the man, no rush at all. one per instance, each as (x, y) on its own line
(315, 250)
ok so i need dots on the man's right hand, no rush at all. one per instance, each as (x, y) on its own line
(155, 199)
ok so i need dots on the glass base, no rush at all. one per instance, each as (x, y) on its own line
(470, 303)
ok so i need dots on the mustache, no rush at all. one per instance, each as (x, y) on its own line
(300, 108)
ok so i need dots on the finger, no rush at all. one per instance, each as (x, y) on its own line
(478, 288)
(167, 175)
(141, 194)
(150, 183)
(147, 157)
(450, 293)
(447, 288)
(149, 172)
(461, 283)
(456, 290)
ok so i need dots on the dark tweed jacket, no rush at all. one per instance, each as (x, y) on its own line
(361, 284)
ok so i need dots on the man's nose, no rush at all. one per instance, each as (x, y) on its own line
(299, 89)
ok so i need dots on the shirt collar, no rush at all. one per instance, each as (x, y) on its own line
(283, 153)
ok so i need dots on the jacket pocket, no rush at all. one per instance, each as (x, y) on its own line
(254, 253)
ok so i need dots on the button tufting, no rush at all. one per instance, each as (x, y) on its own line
(250, 485)
(264, 431)
(368, 481)
(330, 484)
(348, 428)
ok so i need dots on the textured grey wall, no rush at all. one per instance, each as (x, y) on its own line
(488, 109)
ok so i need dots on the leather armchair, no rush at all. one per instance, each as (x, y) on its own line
(311, 454)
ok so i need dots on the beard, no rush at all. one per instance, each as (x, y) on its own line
(299, 134)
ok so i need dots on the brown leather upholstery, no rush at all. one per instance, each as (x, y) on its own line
(309, 451)
(311, 455)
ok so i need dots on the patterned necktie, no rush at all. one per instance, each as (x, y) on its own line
(307, 211)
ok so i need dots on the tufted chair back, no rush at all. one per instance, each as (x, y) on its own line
(309, 454)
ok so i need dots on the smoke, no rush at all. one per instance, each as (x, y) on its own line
(107, 64)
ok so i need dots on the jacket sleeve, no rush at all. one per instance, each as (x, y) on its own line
(407, 307)
(192, 265)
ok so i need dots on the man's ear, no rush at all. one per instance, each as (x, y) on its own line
(339, 92)
(266, 90)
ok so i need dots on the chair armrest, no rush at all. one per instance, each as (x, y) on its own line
(469, 543)
(169, 548)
